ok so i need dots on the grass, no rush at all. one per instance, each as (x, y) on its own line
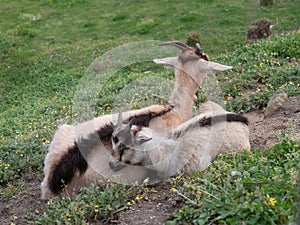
(85, 209)
(264, 68)
(250, 186)
(46, 47)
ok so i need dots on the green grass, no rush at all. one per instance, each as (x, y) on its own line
(46, 47)
(264, 68)
(92, 205)
(249, 187)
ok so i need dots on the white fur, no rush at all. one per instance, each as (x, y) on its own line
(65, 137)
(194, 149)
(188, 78)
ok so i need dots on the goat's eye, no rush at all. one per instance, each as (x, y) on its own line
(115, 139)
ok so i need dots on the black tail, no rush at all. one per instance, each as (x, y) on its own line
(229, 117)
(66, 168)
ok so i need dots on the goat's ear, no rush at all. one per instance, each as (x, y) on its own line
(142, 138)
(213, 66)
(170, 61)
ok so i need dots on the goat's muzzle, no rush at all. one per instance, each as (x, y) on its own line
(115, 165)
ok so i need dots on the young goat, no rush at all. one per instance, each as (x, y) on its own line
(70, 160)
(191, 146)
(75, 151)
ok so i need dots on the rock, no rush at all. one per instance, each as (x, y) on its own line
(275, 103)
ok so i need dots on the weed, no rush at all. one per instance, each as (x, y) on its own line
(46, 47)
(250, 186)
(264, 66)
(92, 204)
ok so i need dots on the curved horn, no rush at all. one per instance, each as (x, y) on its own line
(129, 125)
(199, 49)
(200, 52)
(177, 44)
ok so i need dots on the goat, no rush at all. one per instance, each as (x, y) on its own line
(69, 161)
(191, 146)
(191, 68)
(67, 166)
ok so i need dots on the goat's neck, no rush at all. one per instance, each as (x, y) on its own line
(160, 153)
(183, 94)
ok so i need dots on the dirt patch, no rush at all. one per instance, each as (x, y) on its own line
(159, 203)
(157, 207)
(264, 131)
(15, 209)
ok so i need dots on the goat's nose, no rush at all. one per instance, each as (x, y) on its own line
(116, 165)
(111, 165)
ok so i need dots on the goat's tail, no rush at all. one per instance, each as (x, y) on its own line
(229, 117)
(65, 170)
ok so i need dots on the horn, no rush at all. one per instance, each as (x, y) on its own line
(129, 125)
(200, 52)
(119, 121)
(177, 44)
(131, 122)
(199, 49)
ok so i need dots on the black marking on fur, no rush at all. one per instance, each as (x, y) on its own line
(209, 121)
(122, 150)
(144, 119)
(230, 117)
(66, 168)
(185, 60)
(105, 132)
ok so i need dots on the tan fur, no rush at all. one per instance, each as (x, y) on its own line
(65, 137)
(189, 75)
(194, 149)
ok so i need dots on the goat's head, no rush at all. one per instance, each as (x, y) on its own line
(191, 61)
(126, 140)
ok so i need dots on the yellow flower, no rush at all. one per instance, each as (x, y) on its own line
(135, 105)
(173, 189)
(270, 201)
(68, 217)
(228, 97)
(96, 208)
(138, 198)
(130, 203)
(261, 64)
(6, 166)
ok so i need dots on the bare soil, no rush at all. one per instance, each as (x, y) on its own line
(160, 203)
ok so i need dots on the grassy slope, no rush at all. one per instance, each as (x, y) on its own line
(47, 45)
